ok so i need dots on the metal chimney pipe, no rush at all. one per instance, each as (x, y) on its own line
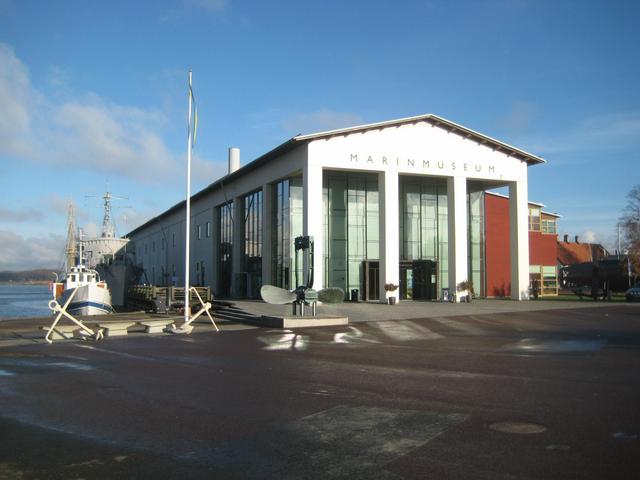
(577, 239)
(566, 238)
(234, 159)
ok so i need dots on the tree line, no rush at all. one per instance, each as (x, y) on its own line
(26, 276)
(630, 220)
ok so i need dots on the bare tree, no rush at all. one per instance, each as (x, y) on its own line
(630, 220)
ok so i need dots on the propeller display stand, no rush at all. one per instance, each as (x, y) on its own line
(303, 294)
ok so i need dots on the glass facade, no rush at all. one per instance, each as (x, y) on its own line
(549, 225)
(351, 229)
(534, 219)
(544, 278)
(476, 241)
(225, 249)
(252, 261)
(252, 254)
(424, 236)
(286, 221)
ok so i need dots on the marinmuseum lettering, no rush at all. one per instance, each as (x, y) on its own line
(423, 164)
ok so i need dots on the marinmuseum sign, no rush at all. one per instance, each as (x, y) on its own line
(423, 165)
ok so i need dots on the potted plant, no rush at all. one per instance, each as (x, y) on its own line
(391, 287)
(466, 290)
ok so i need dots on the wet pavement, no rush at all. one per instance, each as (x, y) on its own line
(512, 395)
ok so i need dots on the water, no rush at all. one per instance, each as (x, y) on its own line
(24, 300)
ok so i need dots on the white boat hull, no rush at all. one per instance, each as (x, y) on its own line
(91, 299)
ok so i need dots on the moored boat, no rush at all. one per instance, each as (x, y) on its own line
(91, 295)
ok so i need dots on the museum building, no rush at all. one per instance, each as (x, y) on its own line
(397, 202)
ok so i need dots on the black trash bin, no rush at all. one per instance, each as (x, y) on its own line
(354, 295)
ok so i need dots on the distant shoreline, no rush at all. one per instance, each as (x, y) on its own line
(22, 282)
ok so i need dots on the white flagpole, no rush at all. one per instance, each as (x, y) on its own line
(187, 312)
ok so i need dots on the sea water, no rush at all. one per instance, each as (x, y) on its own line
(24, 300)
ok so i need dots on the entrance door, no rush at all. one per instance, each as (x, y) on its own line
(371, 280)
(406, 280)
(425, 280)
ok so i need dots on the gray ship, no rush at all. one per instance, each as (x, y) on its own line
(113, 257)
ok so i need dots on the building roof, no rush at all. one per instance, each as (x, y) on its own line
(437, 121)
(536, 204)
(299, 140)
(571, 253)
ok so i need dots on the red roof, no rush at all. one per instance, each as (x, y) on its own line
(571, 253)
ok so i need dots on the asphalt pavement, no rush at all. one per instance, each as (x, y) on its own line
(531, 394)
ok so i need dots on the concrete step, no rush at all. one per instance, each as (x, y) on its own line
(116, 329)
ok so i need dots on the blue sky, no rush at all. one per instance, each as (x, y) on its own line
(94, 92)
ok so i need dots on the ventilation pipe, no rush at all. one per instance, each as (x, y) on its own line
(234, 159)
(577, 239)
(566, 238)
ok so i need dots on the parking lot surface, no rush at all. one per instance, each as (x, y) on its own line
(513, 395)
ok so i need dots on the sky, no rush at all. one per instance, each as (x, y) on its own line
(93, 97)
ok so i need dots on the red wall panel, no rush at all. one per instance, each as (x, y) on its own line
(543, 249)
(497, 251)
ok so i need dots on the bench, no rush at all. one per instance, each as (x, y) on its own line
(154, 326)
(116, 329)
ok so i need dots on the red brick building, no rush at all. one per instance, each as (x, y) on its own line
(543, 247)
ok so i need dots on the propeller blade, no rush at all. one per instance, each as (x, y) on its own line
(277, 295)
(331, 295)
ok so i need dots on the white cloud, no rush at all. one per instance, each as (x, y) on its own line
(16, 98)
(25, 253)
(320, 120)
(60, 80)
(57, 203)
(598, 133)
(20, 215)
(90, 134)
(210, 5)
(91, 230)
(111, 139)
(204, 172)
(520, 117)
(590, 236)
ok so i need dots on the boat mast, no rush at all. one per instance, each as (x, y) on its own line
(80, 254)
(70, 249)
(108, 231)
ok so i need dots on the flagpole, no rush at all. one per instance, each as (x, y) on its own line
(188, 213)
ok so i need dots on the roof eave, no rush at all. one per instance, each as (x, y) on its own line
(438, 121)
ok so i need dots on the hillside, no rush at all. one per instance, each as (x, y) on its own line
(27, 276)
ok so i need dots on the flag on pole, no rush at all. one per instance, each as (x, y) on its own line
(195, 115)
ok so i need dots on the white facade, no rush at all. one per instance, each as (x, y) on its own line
(426, 146)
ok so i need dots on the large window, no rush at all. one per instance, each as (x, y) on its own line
(287, 220)
(225, 249)
(549, 225)
(544, 278)
(252, 255)
(424, 224)
(534, 219)
(351, 228)
(476, 241)
(549, 280)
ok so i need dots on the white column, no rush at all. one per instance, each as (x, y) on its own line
(267, 232)
(237, 245)
(458, 232)
(389, 233)
(519, 239)
(313, 216)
